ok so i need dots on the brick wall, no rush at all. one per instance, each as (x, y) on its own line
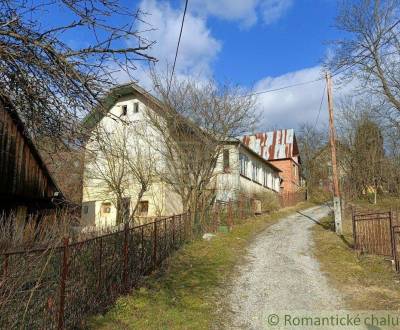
(290, 175)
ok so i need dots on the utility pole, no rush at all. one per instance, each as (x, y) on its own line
(332, 139)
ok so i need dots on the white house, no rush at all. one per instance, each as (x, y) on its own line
(128, 105)
(239, 170)
(244, 172)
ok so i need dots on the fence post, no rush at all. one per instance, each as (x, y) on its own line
(100, 260)
(155, 244)
(353, 220)
(5, 267)
(142, 249)
(230, 214)
(125, 260)
(63, 279)
(392, 237)
(165, 239)
(173, 231)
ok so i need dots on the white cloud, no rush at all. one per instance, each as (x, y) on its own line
(293, 106)
(235, 10)
(247, 12)
(273, 10)
(198, 48)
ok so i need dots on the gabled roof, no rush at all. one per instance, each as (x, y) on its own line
(275, 145)
(97, 114)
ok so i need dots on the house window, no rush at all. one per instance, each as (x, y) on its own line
(105, 208)
(85, 209)
(143, 208)
(226, 160)
(136, 107)
(243, 159)
(255, 172)
(124, 110)
(265, 177)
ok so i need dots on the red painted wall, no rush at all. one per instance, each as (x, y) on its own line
(290, 174)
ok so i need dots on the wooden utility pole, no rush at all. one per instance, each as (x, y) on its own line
(332, 139)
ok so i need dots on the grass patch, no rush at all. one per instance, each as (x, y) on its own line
(367, 282)
(188, 292)
(383, 203)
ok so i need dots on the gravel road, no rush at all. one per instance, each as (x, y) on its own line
(280, 274)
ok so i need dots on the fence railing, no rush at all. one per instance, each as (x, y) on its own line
(372, 232)
(57, 287)
(377, 233)
(287, 199)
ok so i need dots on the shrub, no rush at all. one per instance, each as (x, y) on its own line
(269, 201)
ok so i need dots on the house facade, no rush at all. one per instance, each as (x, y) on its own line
(126, 106)
(280, 149)
(241, 171)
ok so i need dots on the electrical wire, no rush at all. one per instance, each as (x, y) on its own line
(320, 107)
(177, 46)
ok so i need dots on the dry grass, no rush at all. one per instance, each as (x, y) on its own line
(367, 282)
(189, 292)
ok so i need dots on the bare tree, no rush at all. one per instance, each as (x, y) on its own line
(361, 131)
(370, 50)
(311, 142)
(195, 122)
(118, 168)
(51, 81)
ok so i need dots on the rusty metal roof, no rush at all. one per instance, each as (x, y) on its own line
(279, 144)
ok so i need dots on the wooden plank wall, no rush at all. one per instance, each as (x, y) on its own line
(22, 172)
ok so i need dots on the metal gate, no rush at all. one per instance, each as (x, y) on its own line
(373, 232)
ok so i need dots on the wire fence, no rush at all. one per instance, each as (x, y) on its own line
(57, 287)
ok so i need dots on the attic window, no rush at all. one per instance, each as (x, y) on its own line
(226, 160)
(136, 107)
(124, 110)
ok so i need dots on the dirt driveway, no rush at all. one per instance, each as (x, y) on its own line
(280, 274)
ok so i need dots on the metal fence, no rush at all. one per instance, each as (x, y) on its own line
(57, 287)
(292, 198)
(372, 232)
(377, 233)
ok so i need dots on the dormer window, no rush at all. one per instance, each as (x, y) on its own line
(136, 107)
(124, 110)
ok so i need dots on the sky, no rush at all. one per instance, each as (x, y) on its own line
(255, 44)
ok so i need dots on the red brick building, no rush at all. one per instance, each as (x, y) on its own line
(280, 149)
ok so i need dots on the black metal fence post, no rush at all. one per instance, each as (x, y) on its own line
(353, 220)
(125, 259)
(155, 244)
(63, 280)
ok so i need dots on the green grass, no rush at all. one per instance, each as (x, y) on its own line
(367, 282)
(383, 203)
(188, 293)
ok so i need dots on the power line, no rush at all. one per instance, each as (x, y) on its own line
(177, 46)
(284, 87)
(320, 106)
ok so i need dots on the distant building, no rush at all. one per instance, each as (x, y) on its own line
(280, 149)
(241, 171)
(26, 185)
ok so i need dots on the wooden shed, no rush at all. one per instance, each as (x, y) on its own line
(25, 182)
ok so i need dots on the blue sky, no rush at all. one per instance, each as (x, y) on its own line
(293, 42)
(257, 44)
